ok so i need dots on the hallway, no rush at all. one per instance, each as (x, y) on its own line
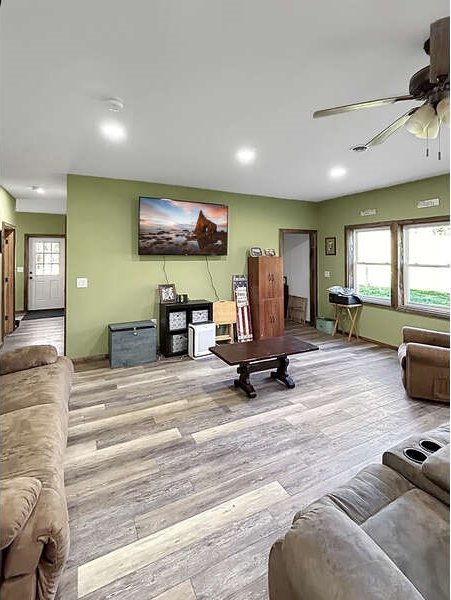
(37, 331)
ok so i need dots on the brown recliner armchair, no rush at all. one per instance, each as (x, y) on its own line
(424, 359)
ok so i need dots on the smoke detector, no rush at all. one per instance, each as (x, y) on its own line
(115, 105)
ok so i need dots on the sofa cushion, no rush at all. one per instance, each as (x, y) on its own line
(413, 531)
(33, 444)
(326, 555)
(366, 493)
(49, 384)
(436, 468)
(19, 496)
(28, 357)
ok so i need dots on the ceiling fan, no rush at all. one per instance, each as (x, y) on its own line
(429, 85)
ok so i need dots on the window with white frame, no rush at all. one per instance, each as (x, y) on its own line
(371, 266)
(426, 265)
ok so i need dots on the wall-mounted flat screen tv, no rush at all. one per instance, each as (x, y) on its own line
(177, 227)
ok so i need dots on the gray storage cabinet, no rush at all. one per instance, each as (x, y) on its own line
(132, 344)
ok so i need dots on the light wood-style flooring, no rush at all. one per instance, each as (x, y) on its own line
(37, 331)
(177, 484)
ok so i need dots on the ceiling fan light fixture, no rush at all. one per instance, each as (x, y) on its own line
(443, 110)
(431, 131)
(420, 120)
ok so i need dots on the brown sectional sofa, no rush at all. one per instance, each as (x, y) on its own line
(384, 535)
(34, 531)
(424, 359)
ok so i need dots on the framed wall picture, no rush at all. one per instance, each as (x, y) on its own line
(270, 252)
(255, 252)
(167, 293)
(331, 246)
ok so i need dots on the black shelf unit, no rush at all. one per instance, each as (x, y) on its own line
(174, 321)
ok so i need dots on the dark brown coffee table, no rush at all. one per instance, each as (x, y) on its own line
(260, 355)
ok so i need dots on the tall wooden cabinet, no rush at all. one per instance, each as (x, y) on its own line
(265, 278)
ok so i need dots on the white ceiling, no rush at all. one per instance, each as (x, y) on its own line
(201, 78)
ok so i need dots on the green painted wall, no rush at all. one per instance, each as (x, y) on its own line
(397, 202)
(102, 246)
(41, 223)
(7, 208)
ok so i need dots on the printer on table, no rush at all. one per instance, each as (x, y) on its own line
(347, 296)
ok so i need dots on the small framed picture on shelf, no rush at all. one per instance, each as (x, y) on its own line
(255, 252)
(167, 293)
(270, 252)
(331, 246)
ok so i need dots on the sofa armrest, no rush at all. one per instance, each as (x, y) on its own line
(42, 546)
(434, 356)
(327, 555)
(18, 497)
(427, 372)
(425, 336)
(28, 357)
(436, 468)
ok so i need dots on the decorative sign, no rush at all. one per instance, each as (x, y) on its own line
(243, 312)
(368, 212)
(241, 297)
(428, 203)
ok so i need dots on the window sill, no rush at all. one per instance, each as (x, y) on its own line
(374, 302)
(426, 312)
(413, 310)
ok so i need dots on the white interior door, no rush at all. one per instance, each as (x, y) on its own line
(46, 273)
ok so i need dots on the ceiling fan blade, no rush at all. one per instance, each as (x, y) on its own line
(381, 137)
(350, 107)
(439, 50)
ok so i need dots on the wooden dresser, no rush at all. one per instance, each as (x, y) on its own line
(265, 278)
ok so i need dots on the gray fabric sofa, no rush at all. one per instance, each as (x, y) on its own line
(384, 535)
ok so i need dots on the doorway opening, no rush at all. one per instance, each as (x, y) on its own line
(298, 247)
(8, 248)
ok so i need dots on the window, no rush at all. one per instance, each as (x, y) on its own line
(47, 258)
(426, 272)
(372, 263)
(403, 265)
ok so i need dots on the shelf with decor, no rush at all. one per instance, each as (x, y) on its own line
(174, 321)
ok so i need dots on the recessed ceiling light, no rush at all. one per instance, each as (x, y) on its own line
(246, 156)
(38, 189)
(115, 132)
(337, 172)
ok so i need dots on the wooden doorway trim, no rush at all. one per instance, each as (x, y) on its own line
(27, 262)
(313, 238)
(8, 250)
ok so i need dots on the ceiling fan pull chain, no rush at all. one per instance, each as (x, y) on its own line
(427, 142)
(439, 144)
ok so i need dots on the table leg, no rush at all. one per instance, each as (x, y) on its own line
(244, 381)
(353, 313)
(281, 374)
(337, 319)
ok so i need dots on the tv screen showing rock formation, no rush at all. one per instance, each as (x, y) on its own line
(177, 227)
